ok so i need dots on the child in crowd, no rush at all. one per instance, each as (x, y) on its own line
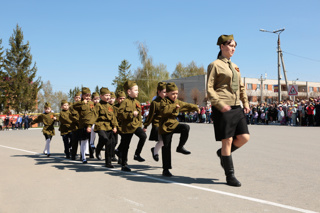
(85, 108)
(65, 130)
(74, 116)
(95, 99)
(130, 115)
(112, 98)
(154, 117)
(47, 118)
(170, 108)
(120, 98)
(105, 124)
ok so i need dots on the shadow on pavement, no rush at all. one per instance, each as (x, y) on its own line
(138, 174)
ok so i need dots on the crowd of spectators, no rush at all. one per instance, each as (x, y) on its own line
(292, 113)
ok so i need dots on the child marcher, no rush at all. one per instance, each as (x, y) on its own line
(65, 127)
(85, 108)
(170, 108)
(74, 127)
(95, 99)
(120, 98)
(105, 125)
(154, 118)
(130, 115)
(47, 118)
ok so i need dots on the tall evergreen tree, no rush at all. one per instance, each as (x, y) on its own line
(2, 80)
(124, 74)
(21, 85)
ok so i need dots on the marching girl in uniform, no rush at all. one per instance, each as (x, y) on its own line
(120, 96)
(225, 90)
(47, 118)
(154, 118)
(85, 109)
(105, 125)
(95, 100)
(64, 128)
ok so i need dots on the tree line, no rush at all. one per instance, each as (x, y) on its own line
(23, 91)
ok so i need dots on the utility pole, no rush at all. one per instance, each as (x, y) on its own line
(261, 87)
(280, 58)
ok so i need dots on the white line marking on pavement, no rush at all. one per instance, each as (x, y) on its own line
(183, 184)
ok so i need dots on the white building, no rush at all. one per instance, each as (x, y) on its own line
(193, 89)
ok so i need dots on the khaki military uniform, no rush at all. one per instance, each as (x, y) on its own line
(130, 125)
(220, 94)
(219, 79)
(48, 122)
(154, 117)
(65, 122)
(125, 114)
(169, 113)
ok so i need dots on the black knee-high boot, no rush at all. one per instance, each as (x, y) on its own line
(229, 171)
(233, 148)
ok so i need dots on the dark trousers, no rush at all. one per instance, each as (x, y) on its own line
(67, 138)
(183, 129)
(74, 143)
(114, 143)
(105, 139)
(310, 120)
(125, 143)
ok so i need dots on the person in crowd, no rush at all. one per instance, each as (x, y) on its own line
(65, 130)
(170, 107)
(85, 109)
(105, 125)
(48, 119)
(225, 90)
(154, 118)
(131, 117)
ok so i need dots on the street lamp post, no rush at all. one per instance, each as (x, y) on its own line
(279, 51)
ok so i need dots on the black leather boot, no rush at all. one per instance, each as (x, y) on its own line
(233, 148)
(229, 171)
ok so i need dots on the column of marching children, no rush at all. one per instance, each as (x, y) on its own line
(111, 115)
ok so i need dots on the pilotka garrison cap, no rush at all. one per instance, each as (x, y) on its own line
(224, 38)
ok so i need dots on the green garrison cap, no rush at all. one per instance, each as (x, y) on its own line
(121, 94)
(64, 102)
(104, 90)
(161, 86)
(224, 38)
(47, 105)
(171, 87)
(112, 95)
(129, 84)
(95, 94)
(86, 90)
(78, 93)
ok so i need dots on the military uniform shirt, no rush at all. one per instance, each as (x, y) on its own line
(125, 114)
(169, 113)
(48, 122)
(154, 113)
(219, 79)
(104, 117)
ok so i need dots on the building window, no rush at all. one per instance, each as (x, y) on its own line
(310, 89)
(182, 86)
(266, 86)
(318, 89)
(258, 86)
(249, 86)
